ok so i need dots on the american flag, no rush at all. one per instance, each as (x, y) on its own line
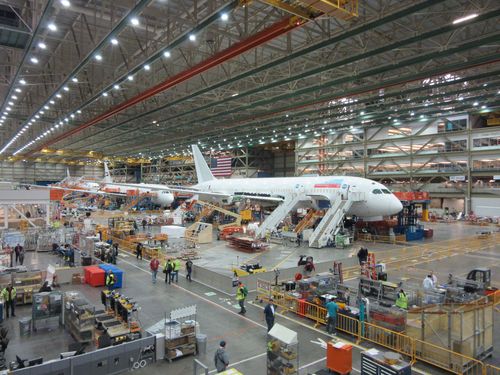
(221, 167)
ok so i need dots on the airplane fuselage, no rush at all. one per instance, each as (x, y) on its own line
(377, 200)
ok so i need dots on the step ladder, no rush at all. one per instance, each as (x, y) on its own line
(279, 213)
(329, 226)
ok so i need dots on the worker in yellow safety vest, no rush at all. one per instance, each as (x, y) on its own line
(402, 300)
(241, 295)
(9, 296)
(177, 267)
(110, 280)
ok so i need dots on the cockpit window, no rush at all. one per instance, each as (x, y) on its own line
(385, 191)
(376, 191)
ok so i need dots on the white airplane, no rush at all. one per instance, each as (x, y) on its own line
(377, 199)
(163, 198)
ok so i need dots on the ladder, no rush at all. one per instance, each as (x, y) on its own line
(279, 213)
(329, 225)
(209, 207)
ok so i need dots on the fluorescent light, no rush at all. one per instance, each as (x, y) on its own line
(18, 90)
(130, 78)
(116, 87)
(147, 67)
(46, 107)
(475, 104)
(22, 81)
(66, 88)
(58, 96)
(466, 18)
(79, 111)
(166, 54)
(98, 57)
(72, 115)
(34, 60)
(14, 97)
(8, 108)
(65, 3)
(114, 41)
(52, 27)
(192, 37)
(11, 103)
(42, 45)
(74, 79)
(224, 16)
(104, 94)
(134, 21)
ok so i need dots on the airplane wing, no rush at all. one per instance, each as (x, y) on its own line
(176, 189)
(76, 190)
(194, 191)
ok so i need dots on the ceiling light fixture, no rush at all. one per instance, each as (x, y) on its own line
(116, 87)
(224, 16)
(167, 54)
(22, 81)
(114, 41)
(134, 21)
(130, 78)
(147, 67)
(65, 3)
(52, 26)
(74, 79)
(98, 57)
(18, 90)
(66, 88)
(34, 60)
(42, 45)
(466, 18)
(192, 37)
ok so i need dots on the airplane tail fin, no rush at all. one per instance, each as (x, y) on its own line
(202, 171)
(107, 176)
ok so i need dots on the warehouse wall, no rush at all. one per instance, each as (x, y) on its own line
(33, 172)
(486, 206)
(284, 163)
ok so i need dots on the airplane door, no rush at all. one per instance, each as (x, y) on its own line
(344, 191)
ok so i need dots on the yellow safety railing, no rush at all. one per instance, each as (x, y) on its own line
(447, 359)
(395, 341)
(398, 342)
(491, 370)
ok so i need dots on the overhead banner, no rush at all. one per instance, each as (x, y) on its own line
(457, 178)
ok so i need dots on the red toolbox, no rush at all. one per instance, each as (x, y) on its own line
(94, 276)
(339, 357)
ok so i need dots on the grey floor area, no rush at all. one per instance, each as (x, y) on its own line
(218, 318)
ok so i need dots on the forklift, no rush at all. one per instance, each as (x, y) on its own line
(478, 281)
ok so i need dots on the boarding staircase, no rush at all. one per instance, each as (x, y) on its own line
(279, 213)
(329, 226)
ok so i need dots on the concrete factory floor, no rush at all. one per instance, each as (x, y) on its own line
(217, 313)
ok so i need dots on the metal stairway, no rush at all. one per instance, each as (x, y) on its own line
(329, 225)
(278, 215)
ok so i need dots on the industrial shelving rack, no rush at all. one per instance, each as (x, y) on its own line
(282, 351)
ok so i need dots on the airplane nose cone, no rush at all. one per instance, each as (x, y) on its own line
(396, 206)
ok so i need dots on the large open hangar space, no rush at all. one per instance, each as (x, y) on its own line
(249, 187)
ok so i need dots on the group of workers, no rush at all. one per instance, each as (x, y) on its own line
(171, 269)
(66, 252)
